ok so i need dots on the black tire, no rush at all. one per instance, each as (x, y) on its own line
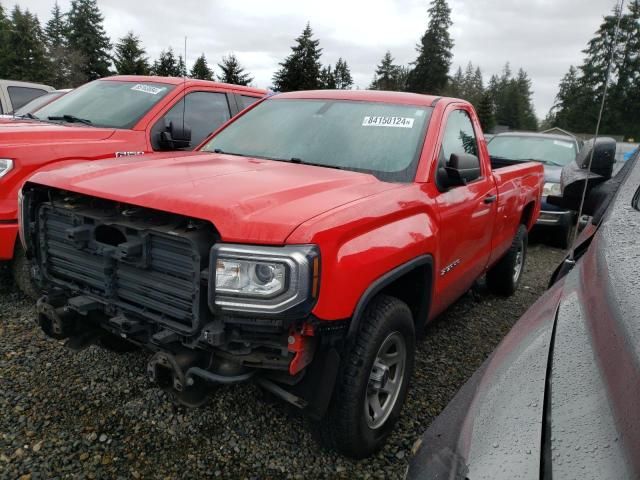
(21, 270)
(502, 278)
(346, 428)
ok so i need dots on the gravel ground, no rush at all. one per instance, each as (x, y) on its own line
(94, 414)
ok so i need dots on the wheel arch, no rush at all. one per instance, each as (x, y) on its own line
(411, 282)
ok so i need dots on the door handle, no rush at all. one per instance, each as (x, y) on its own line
(490, 198)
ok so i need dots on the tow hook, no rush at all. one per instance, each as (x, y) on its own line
(303, 345)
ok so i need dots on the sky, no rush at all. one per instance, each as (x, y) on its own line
(543, 37)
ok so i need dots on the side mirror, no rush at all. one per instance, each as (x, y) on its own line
(575, 174)
(175, 136)
(604, 156)
(462, 169)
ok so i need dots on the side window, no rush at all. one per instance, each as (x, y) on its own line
(21, 95)
(246, 101)
(203, 112)
(459, 137)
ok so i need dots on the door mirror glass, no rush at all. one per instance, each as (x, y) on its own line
(462, 169)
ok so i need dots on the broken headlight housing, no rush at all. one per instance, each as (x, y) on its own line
(264, 279)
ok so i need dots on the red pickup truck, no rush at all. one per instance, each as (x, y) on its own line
(113, 117)
(303, 246)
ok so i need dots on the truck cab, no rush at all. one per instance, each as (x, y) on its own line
(109, 118)
(15, 94)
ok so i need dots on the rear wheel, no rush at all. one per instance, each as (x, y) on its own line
(21, 270)
(504, 277)
(373, 380)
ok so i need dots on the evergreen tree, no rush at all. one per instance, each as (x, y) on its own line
(342, 75)
(388, 75)
(327, 78)
(5, 29)
(201, 69)
(485, 113)
(301, 69)
(455, 85)
(233, 72)
(431, 70)
(56, 29)
(580, 91)
(26, 55)
(182, 67)
(86, 35)
(511, 97)
(130, 58)
(167, 65)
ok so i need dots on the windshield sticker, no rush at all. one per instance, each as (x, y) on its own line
(563, 144)
(147, 89)
(394, 122)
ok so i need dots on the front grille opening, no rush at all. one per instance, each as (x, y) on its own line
(109, 235)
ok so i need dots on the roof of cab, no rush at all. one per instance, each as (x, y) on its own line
(402, 98)
(190, 82)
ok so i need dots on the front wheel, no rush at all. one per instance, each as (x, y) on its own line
(504, 277)
(373, 380)
(21, 269)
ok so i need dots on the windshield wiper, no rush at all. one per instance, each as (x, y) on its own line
(30, 116)
(299, 160)
(218, 150)
(70, 119)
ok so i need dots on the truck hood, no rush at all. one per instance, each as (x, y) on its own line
(248, 200)
(19, 132)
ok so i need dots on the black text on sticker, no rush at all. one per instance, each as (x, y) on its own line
(382, 121)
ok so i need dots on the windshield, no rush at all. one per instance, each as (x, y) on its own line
(37, 103)
(106, 103)
(551, 151)
(379, 138)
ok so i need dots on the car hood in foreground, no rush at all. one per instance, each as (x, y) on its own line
(248, 200)
(560, 396)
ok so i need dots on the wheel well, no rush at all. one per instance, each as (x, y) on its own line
(411, 282)
(527, 214)
(414, 289)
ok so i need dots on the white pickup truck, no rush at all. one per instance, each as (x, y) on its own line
(14, 94)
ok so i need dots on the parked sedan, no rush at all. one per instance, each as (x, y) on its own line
(554, 152)
(560, 396)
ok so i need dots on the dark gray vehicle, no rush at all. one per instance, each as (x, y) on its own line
(554, 152)
(560, 396)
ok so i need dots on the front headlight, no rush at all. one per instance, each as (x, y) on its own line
(551, 189)
(257, 279)
(6, 165)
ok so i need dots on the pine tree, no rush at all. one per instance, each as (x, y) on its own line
(485, 113)
(87, 37)
(65, 65)
(233, 72)
(327, 78)
(431, 70)
(130, 58)
(167, 65)
(511, 97)
(5, 28)
(342, 75)
(201, 69)
(301, 69)
(56, 29)
(182, 67)
(388, 75)
(25, 48)
(455, 85)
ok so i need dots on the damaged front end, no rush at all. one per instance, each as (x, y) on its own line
(211, 313)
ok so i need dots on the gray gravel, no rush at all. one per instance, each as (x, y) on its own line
(94, 414)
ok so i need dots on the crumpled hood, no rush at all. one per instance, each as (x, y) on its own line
(247, 199)
(21, 132)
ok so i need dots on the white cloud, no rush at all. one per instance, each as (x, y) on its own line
(542, 36)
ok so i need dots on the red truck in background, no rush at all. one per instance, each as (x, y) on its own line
(112, 117)
(303, 246)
